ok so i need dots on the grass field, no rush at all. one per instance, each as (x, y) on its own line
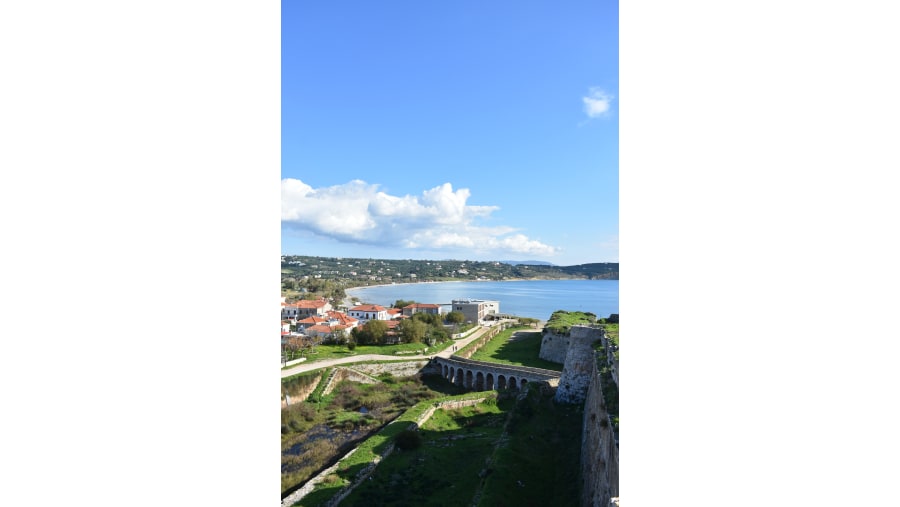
(515, 346)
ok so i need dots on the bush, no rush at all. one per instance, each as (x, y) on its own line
(409, 439)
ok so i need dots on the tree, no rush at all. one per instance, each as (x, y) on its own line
(428, 318)
(437, 334)
(340, 336)
(455, 317)
(376, 329)
(412, 331)
(401, 303)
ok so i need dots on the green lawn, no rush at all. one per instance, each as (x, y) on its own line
(521, 351)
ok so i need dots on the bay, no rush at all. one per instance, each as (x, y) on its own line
(524, 298)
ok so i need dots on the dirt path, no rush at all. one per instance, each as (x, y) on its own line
(309, 366)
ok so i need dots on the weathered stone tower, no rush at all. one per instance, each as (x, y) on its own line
(576, 353)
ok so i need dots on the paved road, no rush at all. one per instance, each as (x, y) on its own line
(308, 366)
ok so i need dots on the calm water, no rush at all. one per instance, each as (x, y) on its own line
(531, 298)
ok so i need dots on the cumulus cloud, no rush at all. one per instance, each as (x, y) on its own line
(438, 219)
(596, 103)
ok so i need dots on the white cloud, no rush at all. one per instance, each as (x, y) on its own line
(596, 103)
(438, 219)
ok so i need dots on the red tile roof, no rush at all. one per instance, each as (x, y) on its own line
(368, 308)
(318, 303)
(312, 320)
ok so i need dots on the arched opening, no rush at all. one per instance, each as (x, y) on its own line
(512, 383)
(468, 383)
(459, 377)
(479, 381)
(489, 382)
(446, 371)
(501, 382)
(523, 383)
(452, 376)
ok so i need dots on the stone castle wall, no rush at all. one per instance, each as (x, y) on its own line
(599, 449)
(580, 383)
(554, 347)
(579, 361)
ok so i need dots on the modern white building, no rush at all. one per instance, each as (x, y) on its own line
(475, 310)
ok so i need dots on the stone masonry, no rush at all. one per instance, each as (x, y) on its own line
(579, 360)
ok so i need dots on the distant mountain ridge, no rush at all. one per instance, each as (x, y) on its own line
(529, 263)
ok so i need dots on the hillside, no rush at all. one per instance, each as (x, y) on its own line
(328, 276)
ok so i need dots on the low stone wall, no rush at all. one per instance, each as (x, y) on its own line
(470, 350)
(464, 334)
(341, 374)
(300, 394)
(404, 369)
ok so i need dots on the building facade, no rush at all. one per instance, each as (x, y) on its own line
(475, 310)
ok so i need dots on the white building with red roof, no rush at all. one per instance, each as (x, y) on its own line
(305, 308)
(366, 313)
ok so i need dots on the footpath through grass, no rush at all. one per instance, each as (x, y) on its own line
(446, 469)
(341, 351)
(518, 346)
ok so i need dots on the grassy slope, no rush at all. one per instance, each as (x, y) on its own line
(444, 471)
(522, 351)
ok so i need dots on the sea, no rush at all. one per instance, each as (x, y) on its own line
(523, 298)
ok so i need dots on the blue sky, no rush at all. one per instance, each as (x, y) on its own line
(452, 130)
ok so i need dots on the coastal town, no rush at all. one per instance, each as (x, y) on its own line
(307, 323)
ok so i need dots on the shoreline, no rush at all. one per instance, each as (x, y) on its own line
(478, 281)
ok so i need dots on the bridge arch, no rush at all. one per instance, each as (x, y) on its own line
(481, 376)
(479, 381)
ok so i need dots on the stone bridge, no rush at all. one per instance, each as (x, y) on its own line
(483, 376)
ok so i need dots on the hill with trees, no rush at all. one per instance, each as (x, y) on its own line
(313, 277)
